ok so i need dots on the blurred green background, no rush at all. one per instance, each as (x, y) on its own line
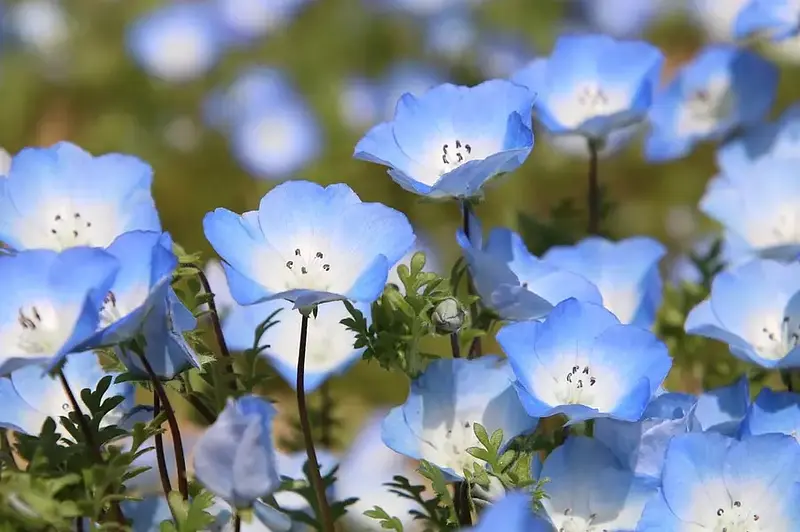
(90, 91)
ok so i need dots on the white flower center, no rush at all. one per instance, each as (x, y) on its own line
(70, 229)
(448, 444)
(737, 519)
(588, 101)
(774, 342)
(776, 227)
(576, 523)
(310, 269)
(39, 330)
(704, 109)
(454, 154)
(578, 386)
(110, 313)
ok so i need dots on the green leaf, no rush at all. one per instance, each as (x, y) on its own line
(386, 521)
(439, 485)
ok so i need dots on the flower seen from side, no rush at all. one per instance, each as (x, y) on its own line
(773, 412)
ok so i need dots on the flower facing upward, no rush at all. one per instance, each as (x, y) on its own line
(309, 244)
(594, 85)
(583, 363)
(452, 139)
(60, 197)
(51, 303)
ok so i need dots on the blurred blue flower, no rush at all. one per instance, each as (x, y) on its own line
(513, 282)
(722, 89)
(41, 25)
(588, 489)
(165, 347)
(142, 283)
(51, 303)
(234, 458)
(28, 396)
(625, 272)
(62, 196)
(309, 244)
(275, 141)
(593, 85)
(451, 34)
(640, 446)
(453, 139)
(512, 513)
(755, 309)
(621, 18)
(360, 103)
(715, 18)
(424, 8)
(773, 412)
(436, 421)
(177, 42)
(406, 77)
(253, 87)
(780, 19)
(722, 409)
(583, 363)
(368, 483)
(778, 140)
(711, 482)
(329, 348)
(245, 20)
(500, 55)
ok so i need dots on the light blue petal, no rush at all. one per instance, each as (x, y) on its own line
(721, 409)
(512, 513)
(773, 412)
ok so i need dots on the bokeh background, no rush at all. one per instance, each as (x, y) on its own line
(225, 98)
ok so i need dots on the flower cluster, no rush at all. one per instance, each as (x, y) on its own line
(569, 426)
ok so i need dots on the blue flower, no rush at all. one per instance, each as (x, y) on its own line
(711, 482)
(453, 139)
(423, 8)
(29, 396)
(309, 244)
(755, 309)
(512, 513)
(403, 77)
(625, 272)
(756, 204)
(234, 458)
(178, 42)
(715, 18)
(142, 283)
(516, 284)
(165, 347)
(588, 489)
(773, 412)
(451, 34)
(246, 20)
(368, 484)
(722, 409)
(500, 55)
(722, 89)
(641, 446)
(436, 421)
(622, 18)
(779, 140)
(51, 303)
(780, 19)
(594, 85)
(360, 103)
(329, 348)
(62, 196)
(583, 363)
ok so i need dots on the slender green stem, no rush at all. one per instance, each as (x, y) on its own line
(461, 501)
(326, 416)
(174, 428)
(161, 458)
(454, 345)
(115, 510)
(593, 196)
(325, 516)
(786, 377)
(237, 523)
(79, 524)
(476, 349)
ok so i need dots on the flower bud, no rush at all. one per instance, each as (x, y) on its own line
(449, 315)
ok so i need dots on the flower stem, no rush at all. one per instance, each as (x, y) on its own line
(454, 345)
(115, 510)
(237, 523)
(326, 419)
(786, 377)
(593, 196)
(177, 442)
(461, 502)
(161, 458)
(324, 516)
(475, 349)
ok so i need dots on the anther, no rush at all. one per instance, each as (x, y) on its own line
(319, 255)
(74, 233)
(58, 217)
(580, 384)
(586, 370)
(720, 511)
(53, 231)
(575, 369)
(304, 270)
(77, 215)
(458, 144)
(592, 381)
(297, 252)
(289, 264)
(36, 314)
(756, 517)
(468, 147)
(326, 267)
(737, 503)
(569, 378)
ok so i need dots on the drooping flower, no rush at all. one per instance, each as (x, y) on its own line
(588, 489)
(755, 309)
(515, 283)
(436, 421)
(165, 348)
(177, 42)
(773, 412)
(640, 446)
(512, 513)
(62, 196)
(143, 282)
(625, 272)
(368, 483)
(453, 139)
(778, 140)
(582, 362)
(28, 396)
(234, 458)
(51, 303)
(594, 85)
(712, 482)
(309, 244)
(780, 19)
(722, 89)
